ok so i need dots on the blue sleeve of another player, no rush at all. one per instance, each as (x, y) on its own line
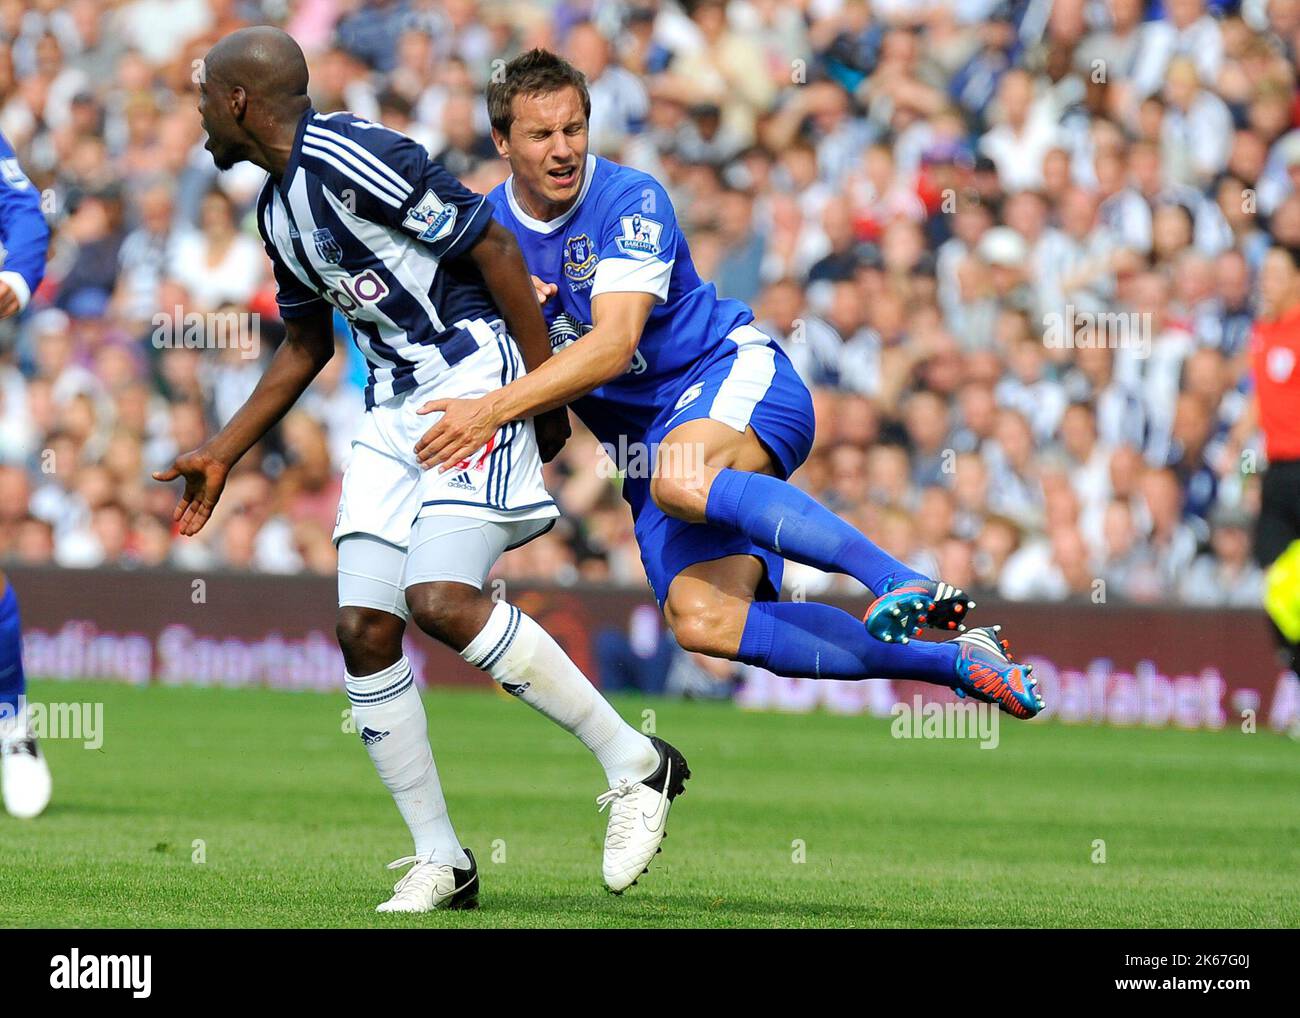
(637, 242)
(394, 182)
(23, 229)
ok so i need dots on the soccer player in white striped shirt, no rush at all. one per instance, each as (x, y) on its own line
(355, 217)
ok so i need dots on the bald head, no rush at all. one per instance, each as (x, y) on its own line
(253, 92)
(265, 61)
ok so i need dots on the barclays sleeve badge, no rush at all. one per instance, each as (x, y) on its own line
(641, 236)
(14, 175)
(430, 218)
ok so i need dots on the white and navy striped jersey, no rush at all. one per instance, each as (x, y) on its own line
(365, 220)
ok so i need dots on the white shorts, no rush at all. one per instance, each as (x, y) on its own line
(384, 489)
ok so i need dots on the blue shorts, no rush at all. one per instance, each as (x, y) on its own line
(756, 388)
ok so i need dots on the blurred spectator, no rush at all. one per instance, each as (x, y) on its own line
(1226, 575)
(1015, 249)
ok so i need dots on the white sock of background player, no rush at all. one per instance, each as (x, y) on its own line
(524, 658)
(389, 714)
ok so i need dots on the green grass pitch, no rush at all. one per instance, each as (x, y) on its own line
(1200, 829)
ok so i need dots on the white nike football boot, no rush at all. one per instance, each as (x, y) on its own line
(429, 885)
(638, 817)
(26, 776)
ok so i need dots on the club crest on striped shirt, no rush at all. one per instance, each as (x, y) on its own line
(327, 247)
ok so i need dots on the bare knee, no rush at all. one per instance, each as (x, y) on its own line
(371, 639)
(707, 624)
(453, 613)
(679, 486)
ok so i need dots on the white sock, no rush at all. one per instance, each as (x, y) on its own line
(389, 714)
(528, 663)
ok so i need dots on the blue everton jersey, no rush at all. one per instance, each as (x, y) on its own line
(23, 231)
(622, 235)
(363, 219)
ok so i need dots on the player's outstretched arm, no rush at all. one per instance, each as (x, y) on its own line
(501, 263)
(307, 348)
(24, 235)
(601, 355)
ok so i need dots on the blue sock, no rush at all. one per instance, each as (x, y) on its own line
(12, 682)
(776, 515)
(818, 641)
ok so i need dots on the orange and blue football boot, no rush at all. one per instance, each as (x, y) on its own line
(987, 672)
(901, 612)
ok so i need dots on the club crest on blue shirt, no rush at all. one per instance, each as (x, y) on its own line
(640, 236)
(565, 330)
(326, 246)
(430, 218)
(579, 258)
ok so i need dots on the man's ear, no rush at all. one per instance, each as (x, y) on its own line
(238, 103)
(502, 143)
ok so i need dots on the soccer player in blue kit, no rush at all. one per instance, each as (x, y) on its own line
(26, 237)
(658, 366)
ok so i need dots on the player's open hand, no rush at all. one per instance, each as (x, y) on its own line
(545, 291)
(9, 299)
(552, 432)
(205, 476)
(463, 429)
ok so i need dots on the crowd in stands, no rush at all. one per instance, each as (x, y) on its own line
(1011, 246)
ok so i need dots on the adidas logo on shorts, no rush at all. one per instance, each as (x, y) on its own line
(462, 481)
